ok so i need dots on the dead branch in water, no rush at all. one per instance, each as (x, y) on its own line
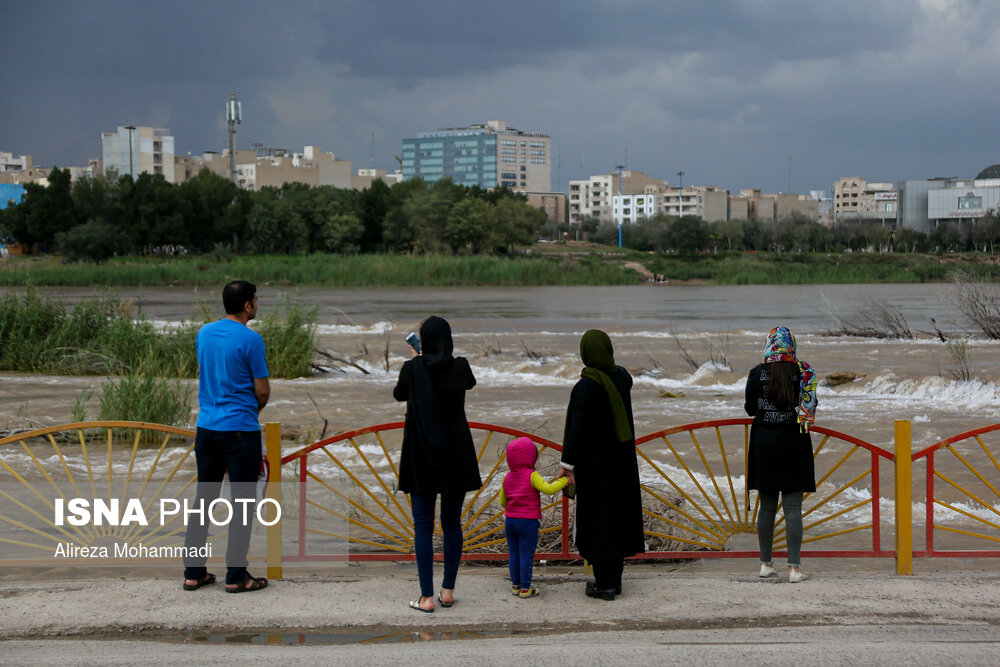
(876, 319)
(324, 353)
(976, 302)
(717, 353)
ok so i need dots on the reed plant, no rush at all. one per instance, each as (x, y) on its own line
(143, 395)
(101, 337)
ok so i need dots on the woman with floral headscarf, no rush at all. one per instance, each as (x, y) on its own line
(599, 455)
(781, 398)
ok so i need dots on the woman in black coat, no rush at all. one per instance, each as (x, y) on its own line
(599, 455)
(781, 398)
(438, 455)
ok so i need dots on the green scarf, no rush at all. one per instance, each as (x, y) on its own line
(598, 357)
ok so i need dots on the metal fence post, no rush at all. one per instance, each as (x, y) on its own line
(904, 508)
(272, 440)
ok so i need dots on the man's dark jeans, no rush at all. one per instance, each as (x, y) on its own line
(216, 452)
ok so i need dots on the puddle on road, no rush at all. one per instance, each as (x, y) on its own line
(321, 638)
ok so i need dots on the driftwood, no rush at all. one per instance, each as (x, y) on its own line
(324, 353)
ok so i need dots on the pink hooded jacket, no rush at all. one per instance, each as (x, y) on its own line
(523, 501)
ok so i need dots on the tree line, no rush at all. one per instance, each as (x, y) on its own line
(689, 234)
(100, 217)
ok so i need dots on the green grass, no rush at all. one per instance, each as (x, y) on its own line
(819, 268)
(101, 337)
(561, 264)
(320, 270)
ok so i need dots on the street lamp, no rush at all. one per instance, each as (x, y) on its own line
(619, 168)
(680, 194)
(130, 128)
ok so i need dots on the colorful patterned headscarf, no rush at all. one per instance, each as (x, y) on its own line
(780, 346)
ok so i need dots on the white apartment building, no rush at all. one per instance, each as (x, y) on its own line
(632, 208)
(593, 197)
(136, 150)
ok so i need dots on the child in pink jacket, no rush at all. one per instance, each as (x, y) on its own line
(519, 495)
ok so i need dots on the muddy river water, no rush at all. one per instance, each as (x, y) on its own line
(689, 348)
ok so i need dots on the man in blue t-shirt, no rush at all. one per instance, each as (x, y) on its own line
(232, 390)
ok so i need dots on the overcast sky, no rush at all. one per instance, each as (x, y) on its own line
(739, 94)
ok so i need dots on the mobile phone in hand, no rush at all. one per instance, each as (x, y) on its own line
(413, 341)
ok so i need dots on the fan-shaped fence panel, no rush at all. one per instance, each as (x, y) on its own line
(114, 474)
(962, 495)
(696, 502)
(350, 508)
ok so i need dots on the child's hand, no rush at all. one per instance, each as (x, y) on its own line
(565, 473)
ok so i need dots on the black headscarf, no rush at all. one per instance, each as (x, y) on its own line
(436, 348)
(598, 357)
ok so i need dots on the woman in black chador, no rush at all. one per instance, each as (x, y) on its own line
(781, 398)
(599, 455)
(439, 456)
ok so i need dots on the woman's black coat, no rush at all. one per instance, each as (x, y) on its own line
(453, 469)
(780, 457)
(608, 503)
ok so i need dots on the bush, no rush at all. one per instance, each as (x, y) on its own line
(93, 242)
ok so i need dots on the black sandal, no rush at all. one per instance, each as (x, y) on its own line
(248, 585)
(206, 579)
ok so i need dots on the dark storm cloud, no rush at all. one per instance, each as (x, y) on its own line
(728, 91)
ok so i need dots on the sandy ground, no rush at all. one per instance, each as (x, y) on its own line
(947, 612)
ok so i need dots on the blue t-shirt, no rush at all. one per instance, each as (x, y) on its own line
(230, 356)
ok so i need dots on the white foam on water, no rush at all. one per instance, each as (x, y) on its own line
(942, 392)
(375, 328)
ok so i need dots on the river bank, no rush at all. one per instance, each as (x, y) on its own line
(543, 265)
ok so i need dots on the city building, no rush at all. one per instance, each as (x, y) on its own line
(965, 200)
(752, 204)
(275, 167)
(136, 150)
(913, 198)
(489, 155)
(593, 197)
(365, 177)
(855, 198)
(15, 169)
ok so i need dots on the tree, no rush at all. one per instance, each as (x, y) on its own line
(516, 222)
(375, 202)
(468, 224)
(687, 234)
(944, 237)
(730, 232)
(208, 215)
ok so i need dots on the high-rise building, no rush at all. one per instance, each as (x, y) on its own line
(139, 149)
(489, 155)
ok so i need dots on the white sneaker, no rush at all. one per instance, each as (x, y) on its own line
(767, 571)
(795, 575)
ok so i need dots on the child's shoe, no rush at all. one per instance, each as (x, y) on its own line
(767, 570)
(527, 592)
(795, 575)
(515, 590)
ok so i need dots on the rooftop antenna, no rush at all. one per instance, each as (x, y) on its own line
(626, 157)
(789, 166)
(373, 152)
(234, 114)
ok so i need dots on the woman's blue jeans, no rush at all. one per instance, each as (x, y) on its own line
(423, 546)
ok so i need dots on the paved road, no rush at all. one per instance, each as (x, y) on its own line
(966, 644)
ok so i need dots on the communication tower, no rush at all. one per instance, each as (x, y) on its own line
(234, 114)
